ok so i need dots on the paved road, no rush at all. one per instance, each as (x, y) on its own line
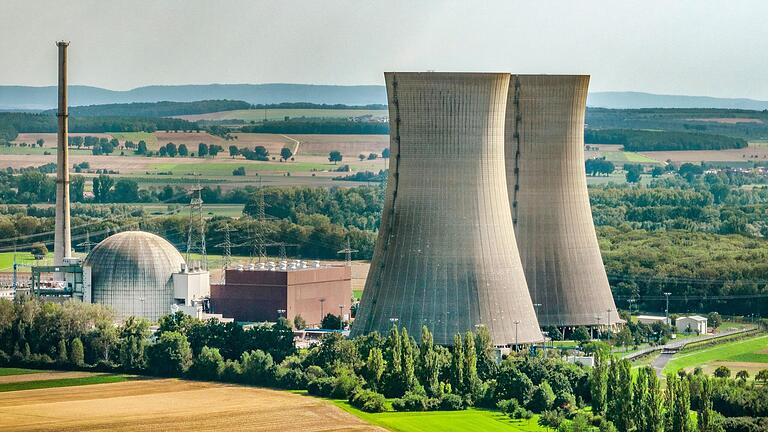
(669, 350)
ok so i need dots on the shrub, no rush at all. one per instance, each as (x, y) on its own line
(314, 372)
(542, 398)
(171, 355)
(208, 365)
(291, 379)
(258, 368)
(344, 384)
(508, 406)
(321, 387)
(77, 353)
(412, 401)
(231, 371)
(451, 402)
(367, 400)
(4, 358)
(521, 413)
(722, 372)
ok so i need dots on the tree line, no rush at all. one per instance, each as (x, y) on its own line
(155, 109)
(647, 140)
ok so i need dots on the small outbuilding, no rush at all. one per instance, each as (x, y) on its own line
(691, 324)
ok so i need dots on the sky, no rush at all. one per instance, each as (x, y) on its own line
(698, 47)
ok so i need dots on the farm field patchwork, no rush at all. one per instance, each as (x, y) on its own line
(281, 113)
(747, 354)
(169, 405)
(757, 151)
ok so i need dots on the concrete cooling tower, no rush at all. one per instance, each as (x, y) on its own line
(445, 255)
(550, 208)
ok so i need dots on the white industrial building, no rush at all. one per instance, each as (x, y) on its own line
(691, 324)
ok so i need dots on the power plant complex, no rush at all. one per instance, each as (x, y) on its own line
(486, 223)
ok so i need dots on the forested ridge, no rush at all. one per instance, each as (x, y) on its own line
(154, 109)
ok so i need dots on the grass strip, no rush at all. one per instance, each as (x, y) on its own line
(63, 382)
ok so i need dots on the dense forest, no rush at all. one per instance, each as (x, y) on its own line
(11, 124)
(319, 126)
(643, 140)
(154, 109)
(744, 124)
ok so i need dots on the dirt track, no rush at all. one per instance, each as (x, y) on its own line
(169, 405)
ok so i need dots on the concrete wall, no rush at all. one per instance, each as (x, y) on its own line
(446, 255)
(547, 188)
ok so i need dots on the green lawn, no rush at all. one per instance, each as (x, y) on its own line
(621, 157)
(225, 210)
(64, 382)
(735, 351)
(470, 420)
(17, 371)
(6, 261)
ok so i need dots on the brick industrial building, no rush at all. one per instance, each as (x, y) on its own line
(257, 293)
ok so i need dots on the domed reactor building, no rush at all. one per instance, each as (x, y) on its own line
(446, 253)
(137, 273)
(547, 187)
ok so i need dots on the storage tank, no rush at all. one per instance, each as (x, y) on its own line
(445, 255)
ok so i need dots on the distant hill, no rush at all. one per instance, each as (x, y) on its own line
(36, 98)
(633, 100)
(40, 98)
(156, 109)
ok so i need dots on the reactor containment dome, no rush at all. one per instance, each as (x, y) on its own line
(446, 255)
(132, 272)
(547, 187)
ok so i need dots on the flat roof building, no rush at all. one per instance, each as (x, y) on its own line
(256, 293)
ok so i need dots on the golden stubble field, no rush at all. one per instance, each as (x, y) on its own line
(169, 405)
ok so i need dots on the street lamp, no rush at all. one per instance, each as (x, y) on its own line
(608, 312)
(517, 346)
(597, 317)
(666, 311)
(394, 321)
(341, 317)
(322, 300)
(280, 313)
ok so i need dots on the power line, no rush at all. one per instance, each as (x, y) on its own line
(196, 228)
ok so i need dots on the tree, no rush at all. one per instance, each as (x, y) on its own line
(714, 320)
(170, 149)
(141, 148)
(335, 156)
(542, 398)
(133, 338)
(374, 368)
(286, 153)
(77, 353)
(214, 149)
(61, 352)
(634, 173)
(102, 188)
(361, 157)
(331, 322)
(678, 404)
(742, 375)
(171, 355)
(649, 416)
(657, 172)
(202, 150)
(429, 364)
(239, 171)
(126, 191)
(704, 415)
(40, 142)
(233, 151)
(619, 395)
(581, 335)
(299, 323)
(208, 365)
(486, 362)
(722, 372)
(471, 380)
(77, 188)
(39, 251)
(598, 383)
(457, 364)
(183, 150)
(762, 376)
(385, 153)
(261, 153)
(258, 367)
(511, 383)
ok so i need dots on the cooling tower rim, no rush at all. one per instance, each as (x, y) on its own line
(487, 73)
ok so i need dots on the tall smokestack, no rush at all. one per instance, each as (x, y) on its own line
(62, 245)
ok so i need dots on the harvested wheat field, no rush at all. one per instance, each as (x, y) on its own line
(348, 145)
(169, 405)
